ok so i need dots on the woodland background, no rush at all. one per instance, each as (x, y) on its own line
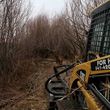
(25, 41)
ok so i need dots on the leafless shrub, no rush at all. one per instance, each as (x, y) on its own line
(65, 35)
(12, 20)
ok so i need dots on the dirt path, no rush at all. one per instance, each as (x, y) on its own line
(36, 96)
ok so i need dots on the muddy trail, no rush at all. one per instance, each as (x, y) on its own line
(32, 95)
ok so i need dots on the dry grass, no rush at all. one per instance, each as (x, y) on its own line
(28, 93)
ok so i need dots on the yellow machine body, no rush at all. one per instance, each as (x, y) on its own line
(102, 67)
(82, 72)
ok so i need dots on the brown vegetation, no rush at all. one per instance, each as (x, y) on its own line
(24, 41)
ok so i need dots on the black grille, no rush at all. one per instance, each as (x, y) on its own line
(99, 35)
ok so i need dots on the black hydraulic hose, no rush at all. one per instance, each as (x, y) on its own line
(57, 74)
(100, 96)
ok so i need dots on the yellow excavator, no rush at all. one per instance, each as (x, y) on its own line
(85, 85)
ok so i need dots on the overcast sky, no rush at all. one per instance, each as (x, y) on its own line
(51, 7)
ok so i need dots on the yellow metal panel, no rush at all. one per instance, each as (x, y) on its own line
(87, 67)
(91, 103)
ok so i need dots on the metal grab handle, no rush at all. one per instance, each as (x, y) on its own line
(55, 75)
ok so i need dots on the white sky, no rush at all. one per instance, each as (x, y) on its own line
(50, 7)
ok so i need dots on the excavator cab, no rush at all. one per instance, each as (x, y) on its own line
(85, 85)
(99, 33)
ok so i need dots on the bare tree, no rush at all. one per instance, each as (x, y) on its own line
(65, 35)
(78, 16)
(13, 18)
